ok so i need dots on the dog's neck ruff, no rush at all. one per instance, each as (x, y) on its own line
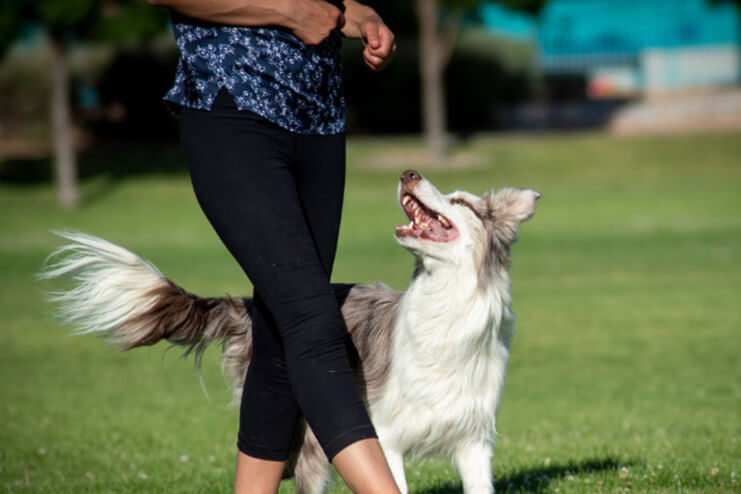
(446, 304)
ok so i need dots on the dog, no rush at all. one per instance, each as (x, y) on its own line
(429, 362)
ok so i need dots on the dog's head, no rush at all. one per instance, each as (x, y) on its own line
(461, 229)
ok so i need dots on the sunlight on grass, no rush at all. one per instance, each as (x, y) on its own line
(624, 369)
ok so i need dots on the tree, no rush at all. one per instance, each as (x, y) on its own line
(436, 40)
(438, 27)
(66, 23)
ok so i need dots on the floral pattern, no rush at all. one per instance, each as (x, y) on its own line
(267, 70)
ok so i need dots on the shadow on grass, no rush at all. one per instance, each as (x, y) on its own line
(112, 161)
(538, 480)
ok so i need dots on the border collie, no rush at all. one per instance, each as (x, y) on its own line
(430, 362)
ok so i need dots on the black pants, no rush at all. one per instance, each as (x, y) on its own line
(275, 198)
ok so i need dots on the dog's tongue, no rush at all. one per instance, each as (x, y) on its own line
(437, 232)
(438, 229)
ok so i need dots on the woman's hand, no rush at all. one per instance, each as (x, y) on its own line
(363, 23)
(313, 20)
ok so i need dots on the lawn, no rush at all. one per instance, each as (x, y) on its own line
(625, 372)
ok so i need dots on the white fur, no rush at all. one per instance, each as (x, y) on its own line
(112, 283)
(450, 349)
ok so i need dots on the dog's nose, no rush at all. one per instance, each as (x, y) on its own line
(410, 176)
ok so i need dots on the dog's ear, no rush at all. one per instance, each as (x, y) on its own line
(507, 208)
(510, 204)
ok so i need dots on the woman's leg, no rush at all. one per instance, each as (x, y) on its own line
(224, 149)
(267, 377)
(257, 476)
(319, 172)
(249, 195)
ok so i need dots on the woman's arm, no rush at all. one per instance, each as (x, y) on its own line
(310, 20)
(362, 22)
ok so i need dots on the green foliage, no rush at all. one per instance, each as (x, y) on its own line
(624, 368)
(9, 22)
(113, 20)
(132, 21)
(66, 17)
(531, 6)
(400, 16)
(25, 87)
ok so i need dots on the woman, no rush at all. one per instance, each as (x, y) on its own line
(259, 91)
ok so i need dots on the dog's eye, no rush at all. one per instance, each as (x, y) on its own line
(462, 202)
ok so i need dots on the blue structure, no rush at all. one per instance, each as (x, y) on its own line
(634, 45)
(613, 29)
(506, 22)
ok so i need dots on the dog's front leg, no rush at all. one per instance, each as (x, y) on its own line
(474, 465)
(396, 464)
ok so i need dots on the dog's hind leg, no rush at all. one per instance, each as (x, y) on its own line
(473, 461)
(312, 468)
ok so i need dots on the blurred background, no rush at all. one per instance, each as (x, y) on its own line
(625, 114)
(101, 67)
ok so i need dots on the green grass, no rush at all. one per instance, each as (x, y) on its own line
(624, 372)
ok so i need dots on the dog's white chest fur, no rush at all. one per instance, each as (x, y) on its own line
(450, 353)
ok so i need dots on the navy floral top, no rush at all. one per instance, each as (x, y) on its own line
(267, 70)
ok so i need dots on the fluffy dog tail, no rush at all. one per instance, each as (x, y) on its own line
(125, 298)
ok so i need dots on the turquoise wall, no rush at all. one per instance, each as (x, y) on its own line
(625, 27)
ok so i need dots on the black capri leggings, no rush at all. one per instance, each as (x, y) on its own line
(275, 198)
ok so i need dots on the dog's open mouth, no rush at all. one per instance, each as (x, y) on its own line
(425, 223)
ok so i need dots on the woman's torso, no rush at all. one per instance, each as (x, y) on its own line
(267, 70)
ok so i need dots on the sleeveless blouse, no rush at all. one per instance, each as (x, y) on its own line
(267, 70)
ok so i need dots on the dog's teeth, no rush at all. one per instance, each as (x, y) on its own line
(424, 226)
(442, 219)
(406, 200)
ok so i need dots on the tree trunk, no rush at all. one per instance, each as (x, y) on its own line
(432, 62)
(65, 165)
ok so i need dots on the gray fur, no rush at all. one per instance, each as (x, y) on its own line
(155, 309)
